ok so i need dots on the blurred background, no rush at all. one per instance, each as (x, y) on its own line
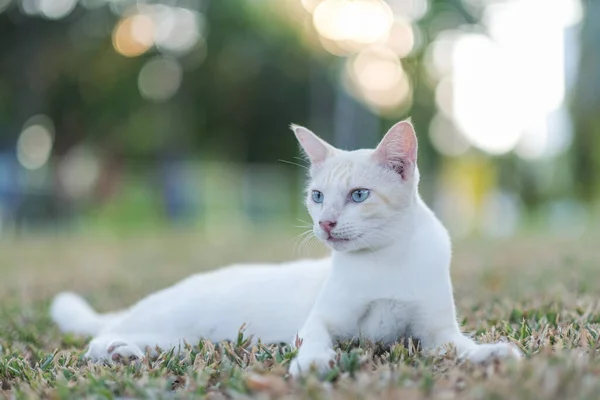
(125, 115)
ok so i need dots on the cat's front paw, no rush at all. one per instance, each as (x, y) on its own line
(113, 350)
(490, 351)
(322, 362)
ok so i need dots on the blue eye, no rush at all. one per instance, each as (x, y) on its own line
(360, 195)
(317, 196)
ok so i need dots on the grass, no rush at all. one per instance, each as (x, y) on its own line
(537, 291)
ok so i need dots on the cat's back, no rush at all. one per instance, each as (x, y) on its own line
(310, 272)
(431, 238)
(272, 300)
(253, 282)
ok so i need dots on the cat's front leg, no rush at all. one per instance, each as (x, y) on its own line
(468, 349)
(334, 314)
(315, 348)
(436, 326)
(436, 336)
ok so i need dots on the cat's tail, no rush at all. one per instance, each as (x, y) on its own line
(73, 314)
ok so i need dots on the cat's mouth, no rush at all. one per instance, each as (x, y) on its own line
(335, 239)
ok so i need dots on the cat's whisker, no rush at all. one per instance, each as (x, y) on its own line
(305, 224)
(311, 243)
(293, 163)
(302, 239)
(301, 236)
(301, 159)
(368, 246)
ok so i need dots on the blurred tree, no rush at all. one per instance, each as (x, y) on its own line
(235, 103)
(254, 76)
(585, 104)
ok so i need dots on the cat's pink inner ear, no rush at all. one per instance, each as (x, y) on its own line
(315, 148)
(398, 149)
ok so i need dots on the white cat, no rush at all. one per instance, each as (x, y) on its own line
(388, 275)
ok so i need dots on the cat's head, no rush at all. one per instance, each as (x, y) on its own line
(356, 198)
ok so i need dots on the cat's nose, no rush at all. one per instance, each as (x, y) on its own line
(327, 225)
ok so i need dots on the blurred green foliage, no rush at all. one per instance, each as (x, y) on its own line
(251, 73)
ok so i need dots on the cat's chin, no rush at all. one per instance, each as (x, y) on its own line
(341, 244)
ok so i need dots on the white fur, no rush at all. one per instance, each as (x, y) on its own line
(388, 275)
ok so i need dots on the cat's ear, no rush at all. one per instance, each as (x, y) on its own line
(398, 149)
(315, 148)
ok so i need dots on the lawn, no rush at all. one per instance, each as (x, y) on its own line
(537, 291)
